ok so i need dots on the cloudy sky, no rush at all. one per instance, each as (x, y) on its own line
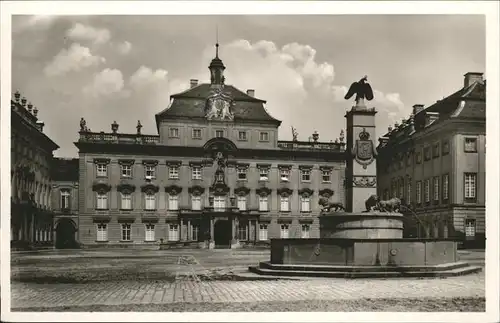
(124, 68)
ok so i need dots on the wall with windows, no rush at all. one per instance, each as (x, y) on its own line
(197, 133)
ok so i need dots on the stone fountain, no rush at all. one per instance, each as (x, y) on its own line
(365, 239)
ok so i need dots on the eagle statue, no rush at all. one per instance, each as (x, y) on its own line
(362, 89)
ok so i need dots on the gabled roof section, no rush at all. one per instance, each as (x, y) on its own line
(191, 104)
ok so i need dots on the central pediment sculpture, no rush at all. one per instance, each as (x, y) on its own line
(219, 105)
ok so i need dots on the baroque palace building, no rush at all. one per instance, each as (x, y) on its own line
(215, 175)
(435, 162)
(32, 218)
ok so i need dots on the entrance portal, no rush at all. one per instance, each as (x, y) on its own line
(222, 234)
(65, 234)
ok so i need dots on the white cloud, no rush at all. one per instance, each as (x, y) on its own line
(75, 58)
(83, 32)
(124, 48)
(145, 77)
(106, 82)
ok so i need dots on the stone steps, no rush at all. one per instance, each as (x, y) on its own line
(448, 270)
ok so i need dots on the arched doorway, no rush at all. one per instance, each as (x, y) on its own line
(222, 233)
(65, 234)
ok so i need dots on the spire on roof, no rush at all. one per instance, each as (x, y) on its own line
(216, 66)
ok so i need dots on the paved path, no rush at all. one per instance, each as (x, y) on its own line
(141, 292)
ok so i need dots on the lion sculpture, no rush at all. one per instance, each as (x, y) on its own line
(327, 206)
(373, 203)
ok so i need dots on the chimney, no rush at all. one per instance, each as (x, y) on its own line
(194, 83)
(472, 77)
(417, 108)
(251, 93)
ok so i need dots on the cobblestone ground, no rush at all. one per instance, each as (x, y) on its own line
(26, 295)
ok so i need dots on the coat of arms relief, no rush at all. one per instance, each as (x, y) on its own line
(219, 105)
(364, 150)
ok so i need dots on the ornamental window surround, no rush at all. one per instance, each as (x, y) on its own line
(264, 136)
(284, 173)
(101, 167)
(126, 168)
(65, 195)
(196, 134)
(326, 175)
(242, 135)
(264, 172)
(470, 145)
(305, 174)
(150, 169)
(102, 232)
(149, 233)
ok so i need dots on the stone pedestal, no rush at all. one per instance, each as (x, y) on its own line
(361, 166)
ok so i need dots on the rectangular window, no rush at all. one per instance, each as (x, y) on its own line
(126, 201)
(263, 203)
(305, 175)
(219, 203)
(150, 171)
(196, 203)
(436, 188)
(445, 149)
(102, 201)
(126, 171)
(263, 174)
(242, 231)
(401, 189)
(150, 201)
(126, 230)
(65, 200)
(242, 174)
(445, 186)
(408, 160)
(427, 153)
(173, 172)
(264, 136)
(284, 231)
(102, 232)
(305, 204)
(470, 145)
(419, 192)
(427, 195)
(326, 176)
(219, 133)
(306, 228)
(470, 185)
(173, 202)
(470, 229)
(196, 172)
(285, 174)
(173, 232)
(418, 157)
(435, 150)
(174, 132)
(150, 232)
(285, 204)
(102, 170)
(262, 232)
(196, 133)
(242, 135)
(195, 232)
(408, 192)
(242, 203)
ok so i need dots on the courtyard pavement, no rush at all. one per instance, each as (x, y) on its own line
(34, 295)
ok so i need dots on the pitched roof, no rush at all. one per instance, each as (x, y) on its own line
(191, 104)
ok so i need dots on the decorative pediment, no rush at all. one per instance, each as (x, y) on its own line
(126, 161)
(101, 186)
(263, 191)
(149, 187)
(263, 166)
(196, 190)
(149, 162)
(283, 166)
(242, 165)
(101, 161)
(241, 191)
(219, 189)
(199, 163)
(305, 167)
(326, 192)
(173, 189)
(306, 192)
(284, 191)
(125, 187)
(173, 163)
(326, 168)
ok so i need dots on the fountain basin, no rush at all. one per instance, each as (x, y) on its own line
(362, 225)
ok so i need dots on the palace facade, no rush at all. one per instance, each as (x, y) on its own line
(31, 161)
(215, 175)
(435, 161)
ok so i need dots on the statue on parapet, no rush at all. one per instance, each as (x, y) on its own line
(374, 204)
(363, 91)
(327, 206)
